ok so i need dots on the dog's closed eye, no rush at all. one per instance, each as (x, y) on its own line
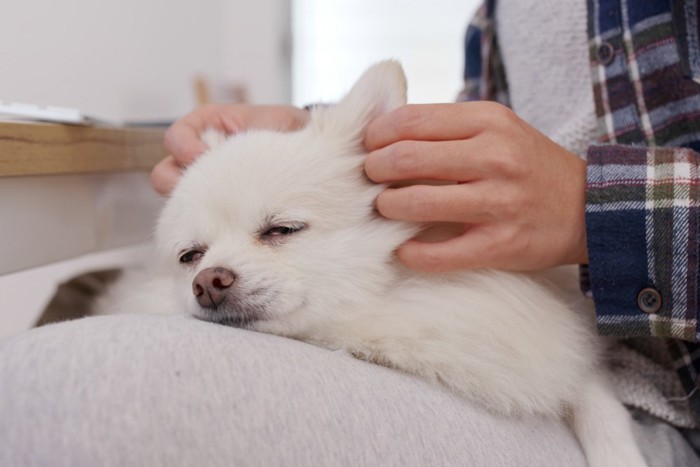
(192, 256)
(277, 233)
(282, 230)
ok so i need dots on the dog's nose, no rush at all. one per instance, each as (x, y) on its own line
(210, 286)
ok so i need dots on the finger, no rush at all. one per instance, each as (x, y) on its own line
(183, 140)
(472, 250)
(434, 122)
(276, 117)
(165, 175)
(412, 160)
(424, 203)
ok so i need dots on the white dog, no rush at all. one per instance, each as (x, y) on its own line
(276, 232)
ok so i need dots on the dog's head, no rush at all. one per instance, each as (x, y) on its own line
(276, 231)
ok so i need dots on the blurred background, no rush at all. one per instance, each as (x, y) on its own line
(154, 59)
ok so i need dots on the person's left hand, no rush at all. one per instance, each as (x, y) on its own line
(519, 195)
(183, 138)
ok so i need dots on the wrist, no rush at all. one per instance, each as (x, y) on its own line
(579, 244)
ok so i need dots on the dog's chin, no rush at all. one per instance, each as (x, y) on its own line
(234, 316)
(227, 320)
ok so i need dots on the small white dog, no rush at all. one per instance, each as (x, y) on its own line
(276, 232)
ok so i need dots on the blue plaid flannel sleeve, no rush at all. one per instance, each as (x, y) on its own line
(484, 76)
(642, 229)
(471, 90)
(642, 197)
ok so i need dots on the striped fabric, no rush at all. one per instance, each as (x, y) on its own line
(642, 95)
(484, 75)
(642, 220)
(473, 62)
(643, 195)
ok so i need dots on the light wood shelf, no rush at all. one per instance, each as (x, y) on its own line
(51, 149)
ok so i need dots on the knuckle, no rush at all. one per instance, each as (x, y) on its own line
(408, 118)
(170, 137)
(498, 116)
(423, 258)
(418, 202)
(407, 203)
(495, 200)
(157, 180)
(514, 239)
(502, 113)
(506, 207)
(507, 159)
(402, 159)
(502, 164)
(432, 262)
(507, 203)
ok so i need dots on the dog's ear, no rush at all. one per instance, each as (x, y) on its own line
(381, 89)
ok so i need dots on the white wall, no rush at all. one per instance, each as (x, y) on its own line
(335, 40)
(135, 59)
(257, 39)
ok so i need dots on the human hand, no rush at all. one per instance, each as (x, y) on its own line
(182, 139)
(519, 195)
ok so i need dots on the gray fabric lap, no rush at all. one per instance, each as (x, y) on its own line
(156, 390)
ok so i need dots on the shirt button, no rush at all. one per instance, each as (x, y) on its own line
(649, 300)
(605, 53)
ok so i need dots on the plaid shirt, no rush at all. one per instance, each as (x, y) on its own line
(643, 180)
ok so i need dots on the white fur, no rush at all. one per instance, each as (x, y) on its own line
(501, 339)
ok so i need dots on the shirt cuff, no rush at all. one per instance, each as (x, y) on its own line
(642, 232)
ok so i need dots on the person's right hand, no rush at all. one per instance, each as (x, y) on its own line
(182, 139)
(519, 197)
